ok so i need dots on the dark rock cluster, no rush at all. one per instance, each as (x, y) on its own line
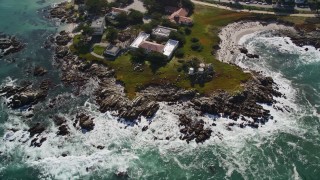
(304, 38)
(193, 130)
(127, 109)
(63, 38)
(20, 96)
(63, 128)
(84, 121)
(243, 50)
(64, 12)
(9, 45)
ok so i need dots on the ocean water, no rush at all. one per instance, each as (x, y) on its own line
(285, 148)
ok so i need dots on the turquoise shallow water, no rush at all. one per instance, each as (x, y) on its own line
(286, 148)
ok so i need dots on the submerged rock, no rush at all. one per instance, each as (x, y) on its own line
(39, 71)
(85, 121)
(36, 129)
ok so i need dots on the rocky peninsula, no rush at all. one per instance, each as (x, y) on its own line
(242, 106)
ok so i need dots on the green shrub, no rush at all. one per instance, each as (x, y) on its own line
(179, 53)
(187, 31)
(194, 40)
(196, 47)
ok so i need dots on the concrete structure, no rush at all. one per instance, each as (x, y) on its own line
(162, 31)
(191, 71)
(141, 37)
(200, 70)
(98, 26)
(112, 50)
(170, 47)
(167, 49)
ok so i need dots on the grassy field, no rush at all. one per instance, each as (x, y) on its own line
(98, 50)
(207, 23)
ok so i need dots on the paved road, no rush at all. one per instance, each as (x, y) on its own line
(269, 6)
(251, 11)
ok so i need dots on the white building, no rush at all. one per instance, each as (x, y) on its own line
(98, 26)
(167, 49)
(162, 31)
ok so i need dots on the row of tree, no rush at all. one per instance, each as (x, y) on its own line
(154, 6)
(95, 6)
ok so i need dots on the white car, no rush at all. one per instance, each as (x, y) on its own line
(247, 2)
(264, 3)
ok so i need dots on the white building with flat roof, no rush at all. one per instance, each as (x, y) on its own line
(162, 31)
(170, 47)
(167, 49)
(98, 26)
(141, 37)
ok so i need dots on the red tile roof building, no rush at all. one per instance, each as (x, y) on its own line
(179, 16)
(151, 46)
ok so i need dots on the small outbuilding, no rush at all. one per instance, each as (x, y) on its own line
(112, 50)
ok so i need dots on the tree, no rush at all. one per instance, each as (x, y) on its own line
(122, 20)
(87, 30)
(95, 6)
(138, 55)
(187, 31)
(156, 60)
(179, 53)
(112, 34)
(135, 17)
(178, 36)
(196, 47)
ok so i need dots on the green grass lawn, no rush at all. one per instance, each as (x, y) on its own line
(98, 50)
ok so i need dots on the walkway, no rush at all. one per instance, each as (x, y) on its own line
(97, 55)
(252, 11)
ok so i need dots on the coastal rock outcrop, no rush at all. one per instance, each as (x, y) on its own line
(20, 96)
(39, 71)
(243, 104)
(85, 121)
(9, 45)
(36, 129)
(193, 130)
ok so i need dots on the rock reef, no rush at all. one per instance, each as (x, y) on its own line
(9, 45)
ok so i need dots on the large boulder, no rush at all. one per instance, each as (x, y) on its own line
(36, 129)
(39, 71)
(85, 121)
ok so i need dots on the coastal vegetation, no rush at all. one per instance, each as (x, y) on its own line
(203, 36)
(199, 41)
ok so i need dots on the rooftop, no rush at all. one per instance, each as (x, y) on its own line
(163, 31)
(180, 16)
(112, 50)
(141, 37)
(98, 23)
(118, 10)
(151, 46)
(170, 46)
